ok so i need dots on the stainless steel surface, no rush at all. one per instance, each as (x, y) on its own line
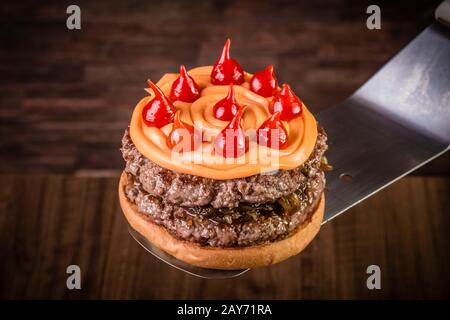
(396, 122)
(180, 265)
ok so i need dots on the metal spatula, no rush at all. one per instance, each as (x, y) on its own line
(396, 122)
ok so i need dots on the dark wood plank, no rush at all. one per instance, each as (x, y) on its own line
(66, 96)
(49, 222)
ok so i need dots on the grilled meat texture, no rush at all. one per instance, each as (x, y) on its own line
(188, 190)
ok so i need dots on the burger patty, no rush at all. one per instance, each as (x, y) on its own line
(246, 225)
(189, 190)
(231, 213)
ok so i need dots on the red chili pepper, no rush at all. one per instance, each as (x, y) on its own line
(226, 108)
(184, 87)
(272, 133)
(287, 103)
(264, 82)
(159, 111)
(227, 70)
(181, 131)
(231, 142)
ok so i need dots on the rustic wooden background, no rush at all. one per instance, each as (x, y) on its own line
(66, 96)
(50, 222)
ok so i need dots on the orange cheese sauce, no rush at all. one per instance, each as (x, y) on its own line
(151, 141)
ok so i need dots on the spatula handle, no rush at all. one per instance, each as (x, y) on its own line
(442, 13)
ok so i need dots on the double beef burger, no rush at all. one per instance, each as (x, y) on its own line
(215, 202)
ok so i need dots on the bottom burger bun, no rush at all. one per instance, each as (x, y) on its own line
(216, 257)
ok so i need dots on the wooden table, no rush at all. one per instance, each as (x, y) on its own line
(50, 222)
(66, 96)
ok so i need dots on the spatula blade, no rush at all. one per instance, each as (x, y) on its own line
(396, 122)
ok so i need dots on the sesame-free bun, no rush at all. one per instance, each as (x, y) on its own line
(217, 257)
